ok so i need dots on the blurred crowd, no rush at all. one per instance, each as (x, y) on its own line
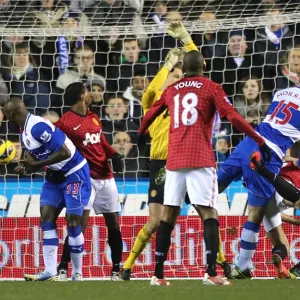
(251, 64)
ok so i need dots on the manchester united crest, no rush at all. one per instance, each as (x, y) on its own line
(95, 122)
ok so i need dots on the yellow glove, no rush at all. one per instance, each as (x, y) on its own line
(178, 31)
(172, 58)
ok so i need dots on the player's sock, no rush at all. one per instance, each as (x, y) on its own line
(211, 238)
(116, 247)
(142, 240)
(280, 250)
(76, 243)
(66, 256)
(50, 246)
(163, 242)
(221, 257)
(249, 240)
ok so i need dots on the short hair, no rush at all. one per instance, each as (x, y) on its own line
(295, 150)
(114, 96)
(84, 47)
(73, 93)
(139, 73)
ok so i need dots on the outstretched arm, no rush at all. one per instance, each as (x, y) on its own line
(152, 114)
(159, 80)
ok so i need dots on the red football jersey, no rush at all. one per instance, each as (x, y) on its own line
(86, 134)
(192, 104)
(291, 173)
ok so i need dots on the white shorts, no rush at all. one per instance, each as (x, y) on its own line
(201, 185)
(272, 217)
(104, 197)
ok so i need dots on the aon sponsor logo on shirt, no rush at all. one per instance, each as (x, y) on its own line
(92, 138)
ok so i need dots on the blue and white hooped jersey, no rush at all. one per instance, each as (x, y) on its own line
(281, 127)
(42, 138)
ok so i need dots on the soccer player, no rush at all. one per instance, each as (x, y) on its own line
(84, 129)
(287, 185)
(170, 73)
(280, 129)
(192, 104)
(67, 184)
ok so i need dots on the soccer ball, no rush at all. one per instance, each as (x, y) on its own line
(7, 151)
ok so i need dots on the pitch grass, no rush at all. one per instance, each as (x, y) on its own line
(141, 290)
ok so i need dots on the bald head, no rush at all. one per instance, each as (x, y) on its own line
(193, 63)
(15, 111)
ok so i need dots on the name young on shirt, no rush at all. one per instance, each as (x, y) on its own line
(190, 83)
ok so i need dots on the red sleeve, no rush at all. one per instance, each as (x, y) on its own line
(243, 126)
(221, 101)
(108, 149)
(152, 114)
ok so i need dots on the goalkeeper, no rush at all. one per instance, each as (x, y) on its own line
(159, 131)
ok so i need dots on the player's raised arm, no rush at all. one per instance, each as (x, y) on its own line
(158, 83)
(225, 109)
(151, 115)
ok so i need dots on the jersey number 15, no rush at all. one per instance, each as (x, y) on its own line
(189, 113)
(286, 111)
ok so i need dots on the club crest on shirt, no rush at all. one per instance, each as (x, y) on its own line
(95, 122)
(45, 137)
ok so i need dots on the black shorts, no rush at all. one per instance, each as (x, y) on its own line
(156, 192)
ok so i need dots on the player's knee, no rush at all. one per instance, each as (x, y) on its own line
(48, 214)
(256, 214)
(73, 221)
(153, 224)
(112, 221)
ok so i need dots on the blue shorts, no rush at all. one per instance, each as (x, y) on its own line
(237, 167)
(74, 193)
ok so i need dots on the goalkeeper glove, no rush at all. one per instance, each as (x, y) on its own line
(172, 58)
(117, 163)
(179, 32)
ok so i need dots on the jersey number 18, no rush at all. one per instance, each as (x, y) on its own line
(189, 114)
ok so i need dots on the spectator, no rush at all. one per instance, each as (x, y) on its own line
(212, 43)
(58, 52)
(173, 15)
(3, 91)
(97, 90)
(82, 70)
(114, 121)
(51, 115)
(159, 14)
(250, 96)
(48, 13)
(134, 94)
(116, 13)
(24, 80)
(7, 45)
(135, 166)
(272, 40)
(12, 12)
(222, 147)
(238, 64)
(130, 61)
(288, 72)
